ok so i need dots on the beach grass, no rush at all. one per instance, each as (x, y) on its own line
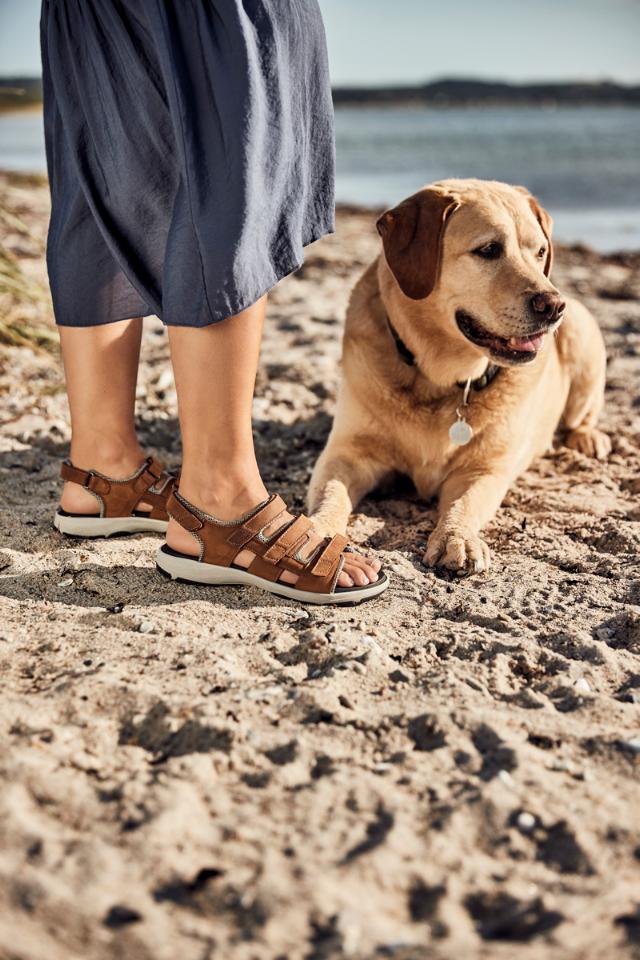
(17, 291)
(25, 304)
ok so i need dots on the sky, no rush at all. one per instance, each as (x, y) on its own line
(404, 41)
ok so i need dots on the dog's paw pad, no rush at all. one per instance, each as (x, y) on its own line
(591, 442)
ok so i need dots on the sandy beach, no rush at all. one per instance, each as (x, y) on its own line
(450, 771)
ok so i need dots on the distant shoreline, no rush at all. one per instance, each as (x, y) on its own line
(408, 104)
(482, 93)
(417, 104)
(18, 94)
(25, 93)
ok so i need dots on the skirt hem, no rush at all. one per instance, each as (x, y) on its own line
(282, 270)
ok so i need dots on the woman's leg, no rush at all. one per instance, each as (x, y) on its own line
(215, 370)
(101, 367)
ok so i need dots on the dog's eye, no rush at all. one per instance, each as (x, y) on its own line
(541, 252)
(490, 251)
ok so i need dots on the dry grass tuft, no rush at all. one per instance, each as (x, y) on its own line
(25, 304)
(22, 301)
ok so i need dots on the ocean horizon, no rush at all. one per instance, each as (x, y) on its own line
(581, 162)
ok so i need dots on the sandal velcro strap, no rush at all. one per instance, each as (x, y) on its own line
(250, 528)
(274, 506)
(99, 485)
(260, 568)
(85, 478)
(163, 483)
(155, 468)
(72, 474)
(178, 510)
(143, 482)
(325, 561)
(150, 473)
(240, 537)
(158, 500)
(291, 538)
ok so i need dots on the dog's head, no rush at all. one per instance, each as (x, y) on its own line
(481, 251)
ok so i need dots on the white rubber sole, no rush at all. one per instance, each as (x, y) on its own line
(181, 568)
(107, 526)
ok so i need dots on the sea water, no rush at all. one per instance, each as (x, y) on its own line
(583, 163)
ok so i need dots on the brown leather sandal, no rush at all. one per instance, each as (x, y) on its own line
(118, 499)
(221, 541)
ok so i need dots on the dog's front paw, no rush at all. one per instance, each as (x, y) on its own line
(326, 525)
(590, 441)
(457, 550)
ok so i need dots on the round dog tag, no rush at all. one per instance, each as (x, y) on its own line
(460, 433)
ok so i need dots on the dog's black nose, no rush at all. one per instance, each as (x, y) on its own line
(547, 306)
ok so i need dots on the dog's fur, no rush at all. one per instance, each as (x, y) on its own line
(392, 417)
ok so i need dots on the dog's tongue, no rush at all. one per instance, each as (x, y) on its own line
(526, 344)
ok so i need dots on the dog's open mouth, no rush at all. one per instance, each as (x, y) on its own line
(514, 349)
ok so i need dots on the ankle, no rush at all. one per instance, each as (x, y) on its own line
(112, 456)
(226, 496)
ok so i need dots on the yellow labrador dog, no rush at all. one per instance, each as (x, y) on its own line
(460, 359)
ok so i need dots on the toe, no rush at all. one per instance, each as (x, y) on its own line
(603, 446)
(344, 580)
(357, 574)
(435, 546)
(358, 568)
(368, 565)
(455, 557)
(475, 555)
(371, 572)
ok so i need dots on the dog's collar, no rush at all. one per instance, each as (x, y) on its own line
(408, 357)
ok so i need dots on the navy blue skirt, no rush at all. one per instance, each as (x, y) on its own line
(190, 152)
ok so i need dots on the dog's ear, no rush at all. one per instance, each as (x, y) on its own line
(412, 240)
(546, 224)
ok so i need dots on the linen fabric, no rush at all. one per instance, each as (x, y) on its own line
(190, 153)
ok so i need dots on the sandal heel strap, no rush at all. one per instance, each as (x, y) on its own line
(120, 498)
(179, 511)
(85, 478)
(72, 474)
